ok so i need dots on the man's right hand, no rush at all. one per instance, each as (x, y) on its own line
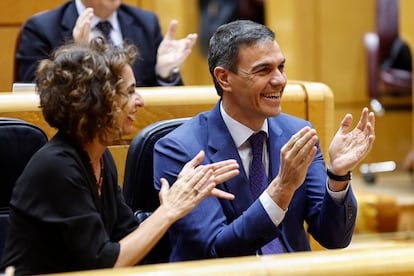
(295, 158)
(81, 31)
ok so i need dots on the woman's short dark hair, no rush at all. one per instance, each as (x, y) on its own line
(79, 88)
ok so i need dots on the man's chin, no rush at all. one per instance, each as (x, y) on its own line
(275, 112)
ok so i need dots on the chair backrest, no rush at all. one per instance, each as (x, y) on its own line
(19, 140)
(388, 61)
(138, 187)
(4, 222)
(387, 25)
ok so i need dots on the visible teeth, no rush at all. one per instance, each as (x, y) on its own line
(271, 95)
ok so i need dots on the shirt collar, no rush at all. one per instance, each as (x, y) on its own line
(113, 19)
(239, 132)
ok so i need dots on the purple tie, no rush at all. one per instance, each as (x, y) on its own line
(259, 182)
(105, 28)
(258, 176)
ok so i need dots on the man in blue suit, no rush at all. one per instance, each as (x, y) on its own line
(247, 66)
(78, 20)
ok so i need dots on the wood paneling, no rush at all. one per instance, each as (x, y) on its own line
(321, 39)
(7, 46)
(322, 42)
(312, 101)
(15, 12)
(294, 23)
(407, 33)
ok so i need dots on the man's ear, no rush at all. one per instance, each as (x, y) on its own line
(222, 77)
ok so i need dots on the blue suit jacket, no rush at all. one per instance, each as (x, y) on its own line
(44, 32)
(221, 228)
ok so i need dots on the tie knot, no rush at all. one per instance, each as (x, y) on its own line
(256, 142)
(105, 28)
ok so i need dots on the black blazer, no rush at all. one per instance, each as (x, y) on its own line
(44, 32)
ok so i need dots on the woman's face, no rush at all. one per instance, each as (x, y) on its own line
(126, 115)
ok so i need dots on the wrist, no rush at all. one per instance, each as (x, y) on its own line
(333, 176)
(169, 76)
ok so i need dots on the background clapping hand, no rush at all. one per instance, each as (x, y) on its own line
(172, 52)
(82, 29)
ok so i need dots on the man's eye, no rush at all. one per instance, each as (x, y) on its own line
(263, 70)
(281, 68)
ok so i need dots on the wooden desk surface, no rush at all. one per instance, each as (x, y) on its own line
(384, 258)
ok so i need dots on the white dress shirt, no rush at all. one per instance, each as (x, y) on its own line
(116, 33)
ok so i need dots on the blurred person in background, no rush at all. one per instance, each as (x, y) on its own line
(82, 20)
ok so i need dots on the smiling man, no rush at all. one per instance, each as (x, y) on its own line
(248, 70)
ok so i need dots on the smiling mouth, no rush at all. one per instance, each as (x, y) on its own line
(131, 117)
(271, 95)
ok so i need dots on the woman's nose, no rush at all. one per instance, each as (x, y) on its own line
(139, 100)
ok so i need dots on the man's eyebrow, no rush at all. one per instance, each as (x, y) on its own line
(264, 64)
(260, 65)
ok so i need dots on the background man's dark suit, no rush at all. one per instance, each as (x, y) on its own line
(45, 31)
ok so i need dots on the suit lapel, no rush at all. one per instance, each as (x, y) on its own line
(126, 23)
(221, 147)
(68, 21)
(133, 34)
(275, 141)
